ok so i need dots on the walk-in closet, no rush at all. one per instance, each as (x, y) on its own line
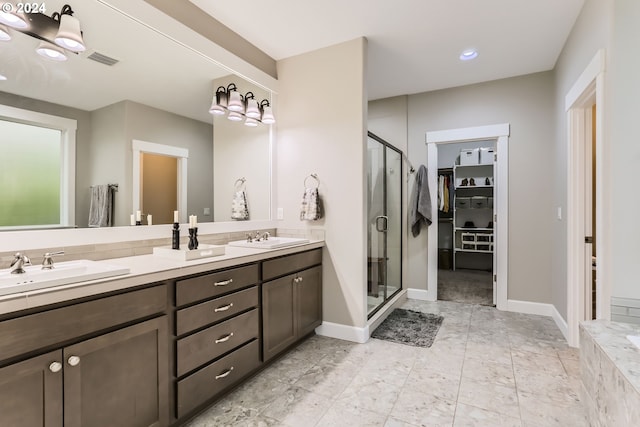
(465, 222)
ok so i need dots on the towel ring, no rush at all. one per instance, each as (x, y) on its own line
(240, 183)
(315, 177)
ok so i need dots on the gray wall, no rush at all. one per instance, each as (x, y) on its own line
(590, 33)
(527, 104)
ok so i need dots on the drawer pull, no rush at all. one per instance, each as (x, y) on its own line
(297, 280)
(224, 307)
(223, 283)
(224, 374)
(224, 339)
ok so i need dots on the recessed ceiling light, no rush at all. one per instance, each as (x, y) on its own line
(468, 54)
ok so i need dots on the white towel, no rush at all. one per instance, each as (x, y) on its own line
(100, 206)
(239, 207)
(311, 206)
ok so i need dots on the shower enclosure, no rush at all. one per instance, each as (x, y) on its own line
(384, 230)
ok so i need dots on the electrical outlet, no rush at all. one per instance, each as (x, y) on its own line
(280, 213)
(207, 211)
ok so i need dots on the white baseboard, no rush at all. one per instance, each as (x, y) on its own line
(528, 307)
(419, 294)
(560, 323)
(343, 332)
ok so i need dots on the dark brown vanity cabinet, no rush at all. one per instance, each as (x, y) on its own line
(117, 377)
(291, 304)
(217, 334)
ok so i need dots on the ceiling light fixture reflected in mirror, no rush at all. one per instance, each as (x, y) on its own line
(63, 25)
(4, 33)
(229, 100)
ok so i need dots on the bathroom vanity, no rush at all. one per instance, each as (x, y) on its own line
(154, 347)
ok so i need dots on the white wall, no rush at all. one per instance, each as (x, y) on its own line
(590, 33)
(321, 129)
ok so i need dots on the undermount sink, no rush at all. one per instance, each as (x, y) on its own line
(63, 273)
(271, 243)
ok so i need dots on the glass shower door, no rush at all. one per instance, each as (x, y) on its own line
(384, 258)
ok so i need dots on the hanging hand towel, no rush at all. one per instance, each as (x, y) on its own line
(239, 207)
(100, 206)
(311, 207)
(420, 202)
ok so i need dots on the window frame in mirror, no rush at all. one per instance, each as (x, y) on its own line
(67, 128)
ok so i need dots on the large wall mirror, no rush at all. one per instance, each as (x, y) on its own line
(157, 92)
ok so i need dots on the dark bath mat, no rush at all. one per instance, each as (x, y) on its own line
(409, 327)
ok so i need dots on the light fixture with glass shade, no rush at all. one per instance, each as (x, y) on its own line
(61, 29)
(4, 33)
(229, 101)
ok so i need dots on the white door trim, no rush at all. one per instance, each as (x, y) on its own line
(587, 90)
(500, 134)
(181, 154)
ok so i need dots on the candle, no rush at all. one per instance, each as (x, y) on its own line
(149, 220)
(133, 220)
(175, 216)
(190, 221)
(138, 216)
(195, 221)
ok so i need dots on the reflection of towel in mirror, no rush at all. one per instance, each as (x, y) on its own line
(420, 202)
(311, 207)
(100, 206)
(239, 207)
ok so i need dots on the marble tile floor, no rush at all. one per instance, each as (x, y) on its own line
(485, 368)
(465, 286)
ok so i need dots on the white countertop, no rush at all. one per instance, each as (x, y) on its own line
(144, 269)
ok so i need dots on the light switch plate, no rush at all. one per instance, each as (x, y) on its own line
(280, 213)
(559, 213)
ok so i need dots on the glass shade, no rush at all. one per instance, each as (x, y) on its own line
(13, 19)
(251, 122)
(51, 51)
(4, 33)
(267, 115)
(234, 116)
(69, 35)
(235, 101)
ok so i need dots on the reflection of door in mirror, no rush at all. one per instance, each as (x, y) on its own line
(159, 187)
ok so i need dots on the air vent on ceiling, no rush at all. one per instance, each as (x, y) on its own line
(103, 59)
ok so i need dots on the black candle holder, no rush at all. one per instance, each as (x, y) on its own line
(138, 222)
(193, 238)
(175, 241)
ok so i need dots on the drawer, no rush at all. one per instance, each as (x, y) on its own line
(216, 377)
(290, 263)
(188, 319)
(204, 346)
(463, 202)
(217, 283)
(479, 202)
(47, 328)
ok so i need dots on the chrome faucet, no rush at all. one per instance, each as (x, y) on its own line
(19, 261)
(47, 261)
(266, 235)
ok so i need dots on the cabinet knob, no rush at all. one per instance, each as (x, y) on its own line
(297, 280)
(225, 373)
(73, 360)
(55, 367)
(224, 339)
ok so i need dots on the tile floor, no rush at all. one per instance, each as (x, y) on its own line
(485, 368)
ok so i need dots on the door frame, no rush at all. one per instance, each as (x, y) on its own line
(586, 91)
(182, 156)
(500, 134)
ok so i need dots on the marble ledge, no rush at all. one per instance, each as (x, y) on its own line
(611, 337)
(144, 269)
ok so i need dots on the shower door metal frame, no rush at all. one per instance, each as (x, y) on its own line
(385, 216)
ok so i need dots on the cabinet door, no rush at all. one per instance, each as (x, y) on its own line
(31, 392)
(278, 319)
(119, 379)
(309, 300)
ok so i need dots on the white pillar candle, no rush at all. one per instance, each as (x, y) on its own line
(175, 216)
(149, 220)
(195, 221)
(133, 220)
(138, 216)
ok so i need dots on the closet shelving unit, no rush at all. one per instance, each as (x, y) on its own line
(445, 224)
(473, 210)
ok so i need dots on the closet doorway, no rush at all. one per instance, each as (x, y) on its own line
(384, 229)
(475, 229)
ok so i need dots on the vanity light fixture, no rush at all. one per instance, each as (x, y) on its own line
(59, 31)
(4, 33)
(229, 100)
